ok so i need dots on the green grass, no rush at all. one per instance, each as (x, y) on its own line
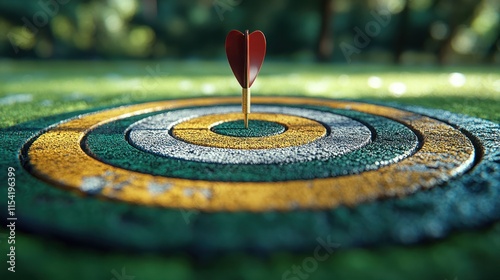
(57, 87)
(467, 255)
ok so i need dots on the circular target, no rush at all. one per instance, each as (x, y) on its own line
(364, 167)
(444, 152)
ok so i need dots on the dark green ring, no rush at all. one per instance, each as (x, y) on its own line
(393, 141)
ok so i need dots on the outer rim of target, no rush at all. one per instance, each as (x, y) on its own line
(353, 196)
(484, 162)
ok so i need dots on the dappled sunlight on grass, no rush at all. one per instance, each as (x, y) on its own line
(61, 86)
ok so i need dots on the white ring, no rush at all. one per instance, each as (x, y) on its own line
(152, 135)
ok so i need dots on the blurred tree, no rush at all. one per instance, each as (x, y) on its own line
(325, 42)
(295, 29)
(490, 54)
(402, 32)
(150, 9)
(457, 13)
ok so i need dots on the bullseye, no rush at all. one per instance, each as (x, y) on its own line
(256, 129)
(299, 131)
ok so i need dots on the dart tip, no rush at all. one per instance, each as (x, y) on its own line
(246, 120)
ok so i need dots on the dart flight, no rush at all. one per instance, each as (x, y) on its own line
(245, 53)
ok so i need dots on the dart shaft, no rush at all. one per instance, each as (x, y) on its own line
(246, 88)
(245, 105)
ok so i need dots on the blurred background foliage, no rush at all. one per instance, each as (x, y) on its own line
(417, 31)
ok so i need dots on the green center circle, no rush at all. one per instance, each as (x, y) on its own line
(256, 128)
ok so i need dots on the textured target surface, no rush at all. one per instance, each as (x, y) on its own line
(363, 165)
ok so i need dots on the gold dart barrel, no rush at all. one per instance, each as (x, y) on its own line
(245, 105)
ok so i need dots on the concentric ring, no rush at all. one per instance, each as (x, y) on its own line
(391, 142)
(463, 202)
(444, 149)
(153, 135)
(299, 131)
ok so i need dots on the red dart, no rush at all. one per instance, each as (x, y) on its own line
(245, 53)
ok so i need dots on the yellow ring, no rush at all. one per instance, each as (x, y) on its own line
(299, 131)
(56, 156)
